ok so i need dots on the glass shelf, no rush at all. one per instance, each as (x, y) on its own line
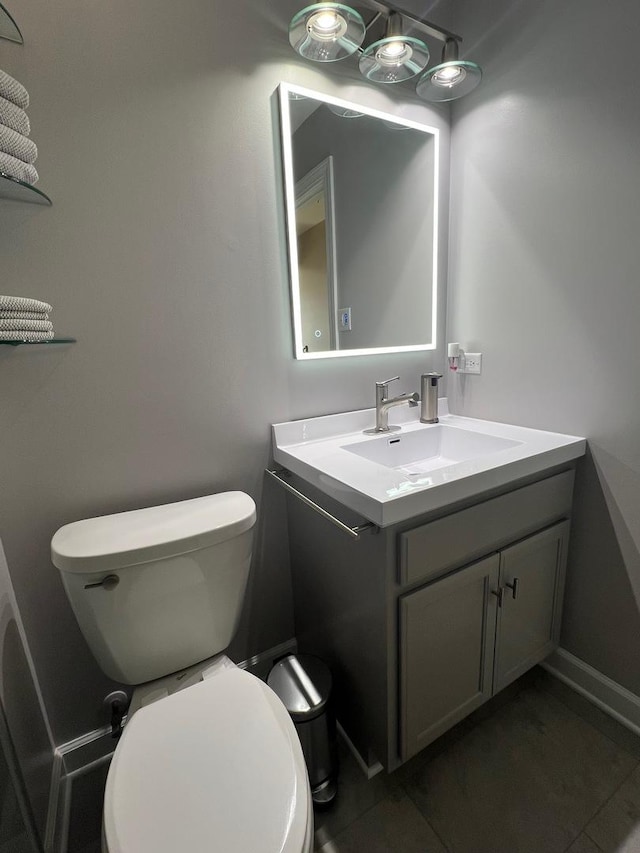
(15, 190)
(37, 343)
(8, 28)
(11, 188)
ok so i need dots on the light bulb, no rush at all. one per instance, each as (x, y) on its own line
(451, 75)
(326, 25)
(326, 20)
(394, 53)
(392, 49)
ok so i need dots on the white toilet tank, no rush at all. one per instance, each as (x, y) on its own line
(156, 590)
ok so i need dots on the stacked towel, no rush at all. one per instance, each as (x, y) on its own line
(26, 325)
(17, 145)
(24, 315)
(27, 337)
(13, 117)
(17, 152)
(17, 169)
(13, 91)
(23, 303)
(23, 319)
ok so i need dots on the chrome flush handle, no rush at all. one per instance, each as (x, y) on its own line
(109, 582)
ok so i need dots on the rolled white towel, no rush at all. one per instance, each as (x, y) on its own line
(13, 91)
(24, 315)
(25, 325)
(30, 337)
(17, 145)
(15, 168)
(14, 117)
(23, 303)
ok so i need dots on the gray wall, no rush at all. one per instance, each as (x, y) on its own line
(383, 182)
(544, 270)
(164, 255)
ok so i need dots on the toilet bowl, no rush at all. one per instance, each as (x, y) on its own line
(216, 765)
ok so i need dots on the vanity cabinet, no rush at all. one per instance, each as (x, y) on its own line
(532, 575)
(467, 636)
(447, 633)
(425, 620)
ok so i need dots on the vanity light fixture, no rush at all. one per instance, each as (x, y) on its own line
(452, 79)
(328, 32)
(395, 57)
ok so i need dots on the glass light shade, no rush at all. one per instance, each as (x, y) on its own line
(344, 112)
(326, 32)
(449, 80)
(393, 126)
(393, 59)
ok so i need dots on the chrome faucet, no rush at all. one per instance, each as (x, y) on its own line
(429, 396)
(384, 403)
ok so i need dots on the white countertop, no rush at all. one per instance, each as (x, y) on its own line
(314, 449)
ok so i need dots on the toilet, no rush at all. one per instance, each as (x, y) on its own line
(209, 758)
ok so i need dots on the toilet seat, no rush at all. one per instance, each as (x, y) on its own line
(215, 767)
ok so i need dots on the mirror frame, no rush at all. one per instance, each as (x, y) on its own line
(285, 91)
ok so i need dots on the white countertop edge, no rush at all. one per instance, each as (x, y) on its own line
(386, 496)
(423, 501)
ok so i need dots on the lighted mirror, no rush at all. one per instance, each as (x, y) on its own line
(361, 194)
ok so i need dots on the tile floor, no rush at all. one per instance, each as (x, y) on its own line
(536, 770)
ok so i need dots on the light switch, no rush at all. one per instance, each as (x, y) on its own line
(345, 319)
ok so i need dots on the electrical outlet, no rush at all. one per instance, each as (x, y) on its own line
(472, 362)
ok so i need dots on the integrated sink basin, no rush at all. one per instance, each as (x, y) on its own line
(390, 478)
(418, 451)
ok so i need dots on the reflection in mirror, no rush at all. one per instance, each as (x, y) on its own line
(362, 227)
(316, 257)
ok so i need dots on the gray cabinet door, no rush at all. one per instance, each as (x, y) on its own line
(529, 620)
(447, 632)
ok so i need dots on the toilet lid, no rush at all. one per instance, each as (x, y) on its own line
(216, 766)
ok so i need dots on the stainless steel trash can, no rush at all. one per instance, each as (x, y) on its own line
(303, 683)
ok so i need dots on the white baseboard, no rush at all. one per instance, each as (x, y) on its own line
(54, 801)
(608, 695)
(72, 759)
(369, 770)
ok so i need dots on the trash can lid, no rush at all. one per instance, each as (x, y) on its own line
(303, 684)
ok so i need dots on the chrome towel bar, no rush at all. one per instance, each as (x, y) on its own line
(354, 532)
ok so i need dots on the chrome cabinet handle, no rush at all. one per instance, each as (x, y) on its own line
(108, 583)
(514, 588)
(498, 594)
